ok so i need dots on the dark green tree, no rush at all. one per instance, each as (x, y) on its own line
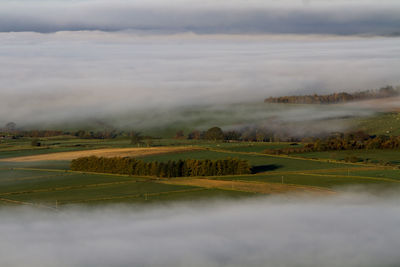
(214, 134)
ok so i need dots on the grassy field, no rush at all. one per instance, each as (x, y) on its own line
(389, 123)
(373, 156)
(49, 183)
(263, 162)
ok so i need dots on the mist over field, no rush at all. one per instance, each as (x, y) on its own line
(65, 77)
(95, 60)
(350, 229)
(167, 65)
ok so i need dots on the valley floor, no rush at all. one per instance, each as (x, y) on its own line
(41, 176)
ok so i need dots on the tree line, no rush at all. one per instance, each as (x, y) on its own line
(352, 141)
(180, 168)
(82, 134)
(248, 134)
(335, 98)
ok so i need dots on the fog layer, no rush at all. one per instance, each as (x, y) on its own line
(346, 230)
(67, 76)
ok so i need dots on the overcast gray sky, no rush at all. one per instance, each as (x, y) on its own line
(223, 16)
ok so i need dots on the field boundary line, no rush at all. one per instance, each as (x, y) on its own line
(132, 196)
(16, 201)
(27, 203)
(66, 188)
(294, 157)
(39, 169)
(315, 171)
(246, 186)
(121, 175)
(213, 187)
(89, 173)
(319, 188)
(34, 177)
(351, 176)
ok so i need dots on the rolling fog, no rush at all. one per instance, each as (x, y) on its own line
(66, 77)
(350, 229)
(145, 64)
(68, 61)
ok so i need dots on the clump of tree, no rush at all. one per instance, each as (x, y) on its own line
(180, 168)
(136, 138)
(335, 98)
(214, 134)
(10, 127)
(179, 135)
(141, 140)
(352, 141)
(195, 135)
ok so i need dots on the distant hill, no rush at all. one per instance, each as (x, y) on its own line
(335, 98)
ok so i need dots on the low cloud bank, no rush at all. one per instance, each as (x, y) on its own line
(346, 230)
(71, 76)
(215, 17)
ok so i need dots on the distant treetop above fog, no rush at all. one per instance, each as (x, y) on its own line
(335, 98)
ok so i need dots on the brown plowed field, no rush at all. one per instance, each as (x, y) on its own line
(106, 152)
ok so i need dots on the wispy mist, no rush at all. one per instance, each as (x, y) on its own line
(346, 230)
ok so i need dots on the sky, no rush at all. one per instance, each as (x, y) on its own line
(217, 17)
(90, 59)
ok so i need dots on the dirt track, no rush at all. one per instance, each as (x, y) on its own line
(106, 152)
(248, 186)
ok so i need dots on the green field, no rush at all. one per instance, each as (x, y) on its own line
(334, 180)
(50, 184)
(372, 156)
(389, 124)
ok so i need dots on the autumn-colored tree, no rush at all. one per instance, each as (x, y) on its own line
(196, 135)
(179, 135)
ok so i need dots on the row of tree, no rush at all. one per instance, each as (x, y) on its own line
(180, 168)
(83, 134)
(352, 141)
(343, 97)
(32, 133)
(248, 134)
